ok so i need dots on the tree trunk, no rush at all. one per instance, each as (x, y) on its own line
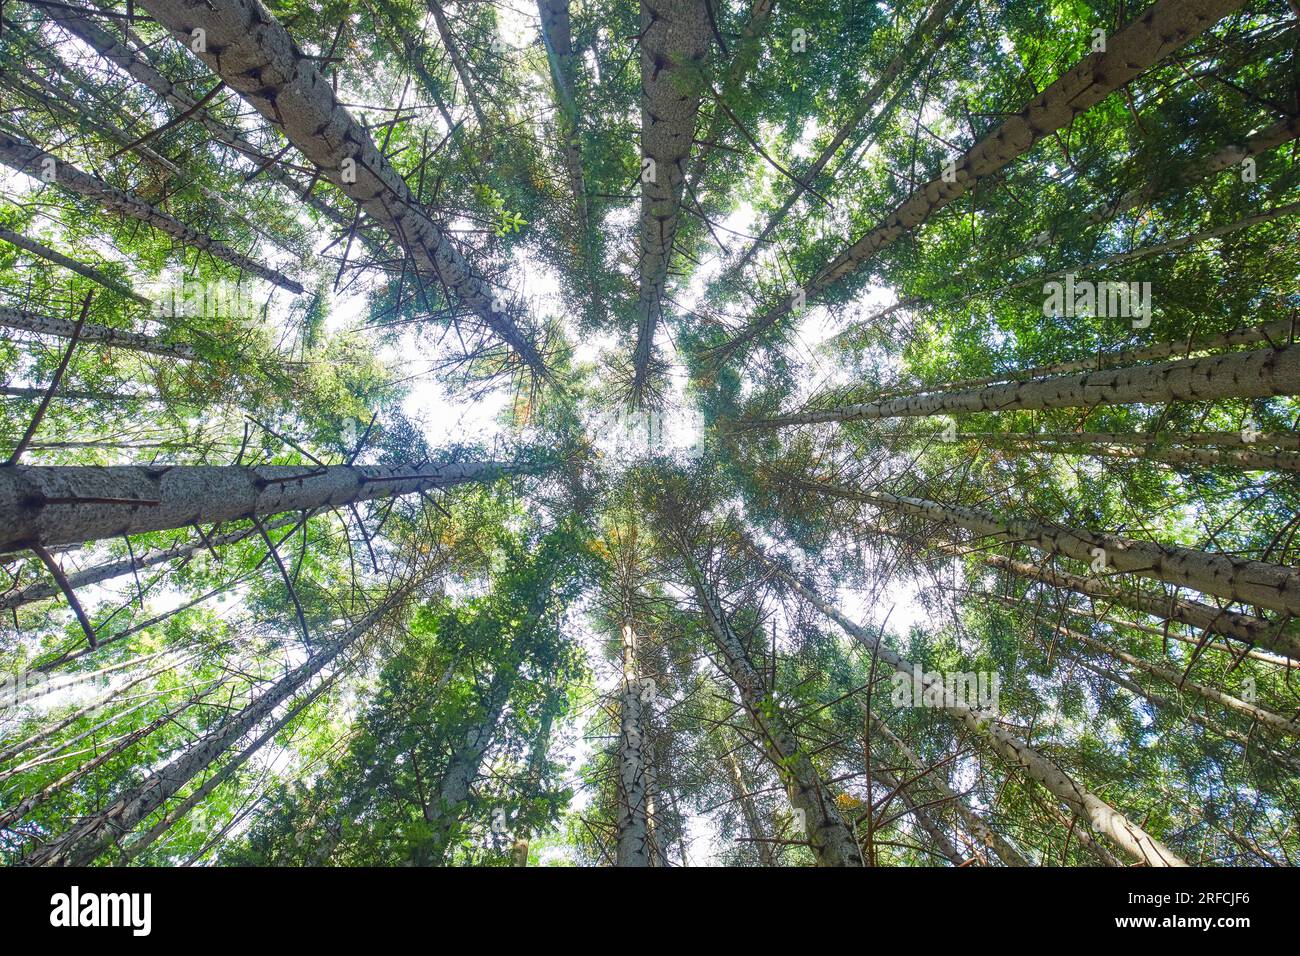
(1261, 373)
(1203, 617)
(1183, 459)
(108, 753)
(66, 504)
(117, 338)
(675, 38)
(82, 844)
(228, 769)
(1272, 586)
(113, 569)
(1085, 838)
(466, 761)
(26, 158)
(744, 58)
(632, 830)
(1102, 816)
(533, 785)
(1165, 27)
(980, 830)
(458, 64)
(1159, 702)
(135, 66)
(81, 269)
(1274, 333)
(753, 824)
(249, 49)
(557, 37)
(928, 824)
(906, 54)
(1229, 157)
(73, 394)
(1266, 718)
(830, 838)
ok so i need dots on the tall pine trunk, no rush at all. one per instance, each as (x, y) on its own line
(1272, 586)
(1163, 28)
(249, 49)
(831, 839)
(674, 42)
(67, 504)
(26, 158)
(632, 831)
(84, 842)
(1104, 818)
(1261, 373)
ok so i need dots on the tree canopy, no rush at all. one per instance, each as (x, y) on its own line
(658, 433)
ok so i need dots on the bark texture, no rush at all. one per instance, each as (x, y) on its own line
(632, 831)
(59, 504)
(118, 338)
(675, 37)
(26, 158)
(1260, 373)
(249, 49)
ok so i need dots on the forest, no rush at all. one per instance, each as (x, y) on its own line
(650, 433)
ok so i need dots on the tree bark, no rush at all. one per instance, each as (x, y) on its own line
(140, 70)
(118, 338)
(632, 833)
(1265, 718)
(743, 60)
(113, 569)
(458, 64)
(536, 772)
(1162, 703)
(1102, 816)
(928, 824)
(674, 44)
(1261, 373)
(1272, 586)
(67, 504)
(753, 824)
(1282, 332)
(81, 269)
(1229, 157)
(980, 830)
(1195, 614)
(831, 839)
(26, 158)
(466, 761)
(1165, 27)
(249, 49)
(82, 844)
(228, 770)
(906, 54)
